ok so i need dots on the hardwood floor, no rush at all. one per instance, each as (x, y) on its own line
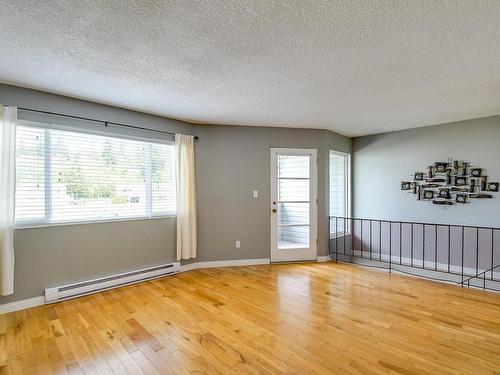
(298, 318)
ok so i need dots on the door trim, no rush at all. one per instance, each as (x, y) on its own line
(313, 226)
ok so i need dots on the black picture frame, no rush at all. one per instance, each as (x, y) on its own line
(440, 167)
(444, 193)
(460, 181)
(428, 194)
(405, 185)
(476, 172)
(492, 186)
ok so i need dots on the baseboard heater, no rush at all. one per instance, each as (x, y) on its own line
(83, 288)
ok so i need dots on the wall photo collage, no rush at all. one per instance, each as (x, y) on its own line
(449, 183)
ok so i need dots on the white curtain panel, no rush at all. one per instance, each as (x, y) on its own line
(8, 119)
(186, 197)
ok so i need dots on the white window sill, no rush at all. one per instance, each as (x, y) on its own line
(46, 225)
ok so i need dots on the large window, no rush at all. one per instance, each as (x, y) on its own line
(68, 176)
(339, 189)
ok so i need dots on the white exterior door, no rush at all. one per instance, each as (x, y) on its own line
(294, 204)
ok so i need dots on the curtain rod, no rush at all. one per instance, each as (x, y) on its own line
(106, 123)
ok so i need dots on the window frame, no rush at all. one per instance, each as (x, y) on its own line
(347, 190)
(46, 221)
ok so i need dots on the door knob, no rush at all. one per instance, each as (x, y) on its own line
(274, 210)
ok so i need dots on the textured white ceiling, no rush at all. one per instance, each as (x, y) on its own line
(356, 67)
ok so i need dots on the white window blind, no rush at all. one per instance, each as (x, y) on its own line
(69, 176)
(339, 185)
(293, 201)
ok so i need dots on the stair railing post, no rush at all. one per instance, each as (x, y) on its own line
(329, 239)
(463, 241)
(390, 246)
(336, 241)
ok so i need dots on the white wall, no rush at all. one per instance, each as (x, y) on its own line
(382, 161)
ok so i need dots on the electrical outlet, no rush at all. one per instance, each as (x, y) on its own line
(238, 244)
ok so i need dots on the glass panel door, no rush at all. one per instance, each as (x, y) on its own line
(293, 201)
(293, 205)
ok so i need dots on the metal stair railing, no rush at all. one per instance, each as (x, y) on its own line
(446, 252)
(477, 276)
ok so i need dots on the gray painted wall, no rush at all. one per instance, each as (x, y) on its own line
(69, 253)
(64, 254)
(231, 162)
(381, 162)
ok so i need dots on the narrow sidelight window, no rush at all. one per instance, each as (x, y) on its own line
(339, 189)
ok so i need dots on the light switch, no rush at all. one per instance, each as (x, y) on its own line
(255, 193)
(238, 244)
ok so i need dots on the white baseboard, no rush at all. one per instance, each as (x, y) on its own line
(323, 258)
(225, 263)
(22, 304)
(429, 265)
